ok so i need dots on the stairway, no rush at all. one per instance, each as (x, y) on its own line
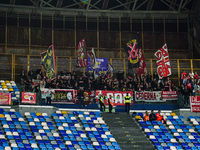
(126, 132)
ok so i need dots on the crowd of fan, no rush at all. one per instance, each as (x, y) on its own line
(189, 83)
(117, 82)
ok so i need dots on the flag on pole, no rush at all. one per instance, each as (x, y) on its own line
(81, 54)
(132, 48)
(142, 66)
(110, 68)
(163, 64)
(93, 61)
(48, 61)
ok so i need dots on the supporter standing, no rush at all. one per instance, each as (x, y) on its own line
(127, 103)
(80, 98)
(155, 76)
(152, 116)
(184, 73)
(28, 85)
(195, 77)
(182, 90)
(23, 76)
(186, 96)
(191, 74)
(30, 75)
(166, 86)
(110, 102)
(189, 86)
(49, 95)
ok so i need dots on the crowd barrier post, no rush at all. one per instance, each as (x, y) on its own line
(13, 67)
(70, 64)
(56, 64)
(191, 65)
(124, 67)
(151, 64)
(28, 64)
(178, 66)
(29, 34)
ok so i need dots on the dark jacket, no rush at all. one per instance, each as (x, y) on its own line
(152, 117)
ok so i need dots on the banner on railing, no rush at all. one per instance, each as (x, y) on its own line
(148, 96)
(61, 95)
(118, 97)
(28, 98)
(88, 97)
(68, 96)
(5, 98)
(169, 95)
(156, 96)
(195, 103)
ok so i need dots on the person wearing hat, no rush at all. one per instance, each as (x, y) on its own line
(101, 102)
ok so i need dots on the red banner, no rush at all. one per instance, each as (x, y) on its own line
(142, 67)
(5, 98)
(28, 98)
(118, 97)
(82, 54)
(163, 64)
(169, 95)
(88, 97)
(195, 103)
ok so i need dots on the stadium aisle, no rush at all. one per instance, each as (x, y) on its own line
(126, 132)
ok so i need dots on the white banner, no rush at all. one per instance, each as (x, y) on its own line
(169, 95)
(149, 96)
(61, 95)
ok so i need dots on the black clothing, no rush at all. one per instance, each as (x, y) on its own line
(48, 100)
(102, 106)
(152, 117)
(127, 107)
(81, 98)
(110, 106)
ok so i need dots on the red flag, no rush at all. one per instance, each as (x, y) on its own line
(81, 54)
(142, 67)
(163, 64)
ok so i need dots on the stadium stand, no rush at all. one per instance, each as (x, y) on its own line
(178, 133)
(63, 130)
(7, 86)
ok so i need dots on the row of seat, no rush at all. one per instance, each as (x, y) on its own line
(10, 87)
(93, 133)
(177, 133)
(37, 131)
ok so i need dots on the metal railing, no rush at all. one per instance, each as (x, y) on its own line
(12, 64)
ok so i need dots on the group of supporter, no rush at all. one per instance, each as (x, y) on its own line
(154, 117)
(116, 82)
(188, 82)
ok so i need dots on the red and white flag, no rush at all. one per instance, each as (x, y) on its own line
(82, 54)
(142, 66)
(163, 64)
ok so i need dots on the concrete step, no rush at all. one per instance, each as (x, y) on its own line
(126, 132)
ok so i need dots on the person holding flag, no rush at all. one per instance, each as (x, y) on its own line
(110, 102)
(127, 103)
